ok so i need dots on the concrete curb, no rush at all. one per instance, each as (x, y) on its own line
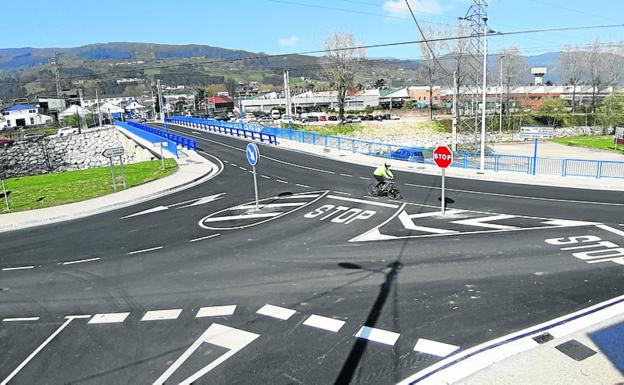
(74, 210)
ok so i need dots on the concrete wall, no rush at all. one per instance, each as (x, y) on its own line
(72, 152)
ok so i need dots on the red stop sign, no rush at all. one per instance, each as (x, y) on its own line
(443, 156)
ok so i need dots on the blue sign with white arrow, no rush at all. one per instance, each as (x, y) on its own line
(252, 154)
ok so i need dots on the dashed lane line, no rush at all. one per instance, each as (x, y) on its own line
(18, 268)
(276, 312)
(81, 261)
(265, 176)
(347, 175)
(216, 311)
(302, 185)
(364, 178)
(233, 164)
(108, 318)
(281, 181)
(161, 315)
(377, 335)
(242, 168)
(325, 323)
(342, 192)
(20, 319)
(145, 250)
(204, 238)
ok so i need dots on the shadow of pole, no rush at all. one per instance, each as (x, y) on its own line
(355, 356)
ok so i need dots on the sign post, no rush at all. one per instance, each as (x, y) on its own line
(443, 157)
(111, 153)
(6, 198)
(162, 157)
(253, 154)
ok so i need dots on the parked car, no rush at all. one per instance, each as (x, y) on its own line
(63, 131)
(4, 142)
(408, 154)
(395, 117)
(379, 117)
(370, 117)
(322, 118)
(356, 119)
(332, 118)
(310, 119)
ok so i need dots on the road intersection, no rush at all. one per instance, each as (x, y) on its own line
(321, 285)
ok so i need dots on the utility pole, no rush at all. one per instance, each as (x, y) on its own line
(161, 113)
(287, 94)
(454, 128)
(83, 117)
(500, 108)
(57, 76)
(97, 100)
(153, 103)
(485, 50)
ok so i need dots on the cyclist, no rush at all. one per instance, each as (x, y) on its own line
(383, 175)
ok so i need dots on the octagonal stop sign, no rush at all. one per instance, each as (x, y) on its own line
(443, 156)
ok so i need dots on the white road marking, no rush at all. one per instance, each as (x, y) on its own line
(406, 221)
(203, 238)
(301, 196)
(22, 319)
(342, 193)
(243, 216)
(270, 205)
(109, 318)
(36, 351)
(347, 175)
(378, 335)
(223, 336)
(374, 233)
(281, 181)
(148, 211)
(81, 261)
(567, 223)
(242, 168)
(233, 164)
(18, 268)
(517, 196)
(225, 161)
(434, 348)
(145, 250)
(216, 311)
(205, 200)
(365, 178)
(481, 222)
(265, 176)
(362, 201)
(78, 316)
(302, 185)
(161, 315)
(611, 229)
(325, 323)
(276, 312)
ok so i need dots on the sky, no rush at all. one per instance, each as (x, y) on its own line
(288, 26)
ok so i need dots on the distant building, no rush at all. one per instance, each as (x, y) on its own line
(24, 115)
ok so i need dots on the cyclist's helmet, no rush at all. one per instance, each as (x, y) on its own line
(387, 165)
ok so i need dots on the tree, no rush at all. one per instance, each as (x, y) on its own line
(512, 64)
(554, 111)
(341, 63)
(611, 111)
(571, 64)
(594, 69)
(380, 83)
(231, 85)
(430, 51)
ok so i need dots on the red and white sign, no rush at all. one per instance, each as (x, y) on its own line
(443, 156)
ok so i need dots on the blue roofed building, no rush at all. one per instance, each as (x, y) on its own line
(23, 115)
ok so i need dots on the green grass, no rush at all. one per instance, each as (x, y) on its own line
(33, 192)
(336, 129)
(599, 142)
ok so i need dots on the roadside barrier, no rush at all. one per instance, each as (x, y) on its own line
(468, 160)
(177, 139)
(229, 128)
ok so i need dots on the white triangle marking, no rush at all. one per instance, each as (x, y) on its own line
(152, 210)
(205, 200)
(480, 222)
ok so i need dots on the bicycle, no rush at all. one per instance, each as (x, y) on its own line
(391, 190)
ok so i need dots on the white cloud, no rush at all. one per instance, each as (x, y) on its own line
(288, 41)
(399, 8)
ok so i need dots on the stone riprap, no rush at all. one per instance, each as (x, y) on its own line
(57, 154)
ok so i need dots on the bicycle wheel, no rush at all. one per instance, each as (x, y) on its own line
(372, 189)
(395, 194)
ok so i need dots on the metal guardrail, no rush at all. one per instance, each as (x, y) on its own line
(177, 139)
(469, 160)
(229, 128)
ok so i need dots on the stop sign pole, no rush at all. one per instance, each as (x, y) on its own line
(443, 157)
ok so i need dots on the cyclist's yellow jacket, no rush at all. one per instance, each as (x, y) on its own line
(383, 171)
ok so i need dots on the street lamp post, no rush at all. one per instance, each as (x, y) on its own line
(500, 109)
(485, 53)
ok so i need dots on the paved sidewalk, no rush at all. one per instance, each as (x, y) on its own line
(192, 169)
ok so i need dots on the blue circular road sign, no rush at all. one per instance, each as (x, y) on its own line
(252, 154)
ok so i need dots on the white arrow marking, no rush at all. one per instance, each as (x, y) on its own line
(244, 216)
(223, 336)
(148, 211)
(372, 235)
(567, 223)
(481, 222)
(407, 222)
(205, 200)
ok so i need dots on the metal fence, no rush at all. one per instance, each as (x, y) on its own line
(234, 129)
(468, 160)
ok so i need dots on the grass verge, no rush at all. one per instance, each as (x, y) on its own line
(598, 142)
(38, 191)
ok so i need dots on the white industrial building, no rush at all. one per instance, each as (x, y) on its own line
(23, 115)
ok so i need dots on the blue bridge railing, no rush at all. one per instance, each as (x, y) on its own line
(468, 160)
(229, 128)
(177, 139)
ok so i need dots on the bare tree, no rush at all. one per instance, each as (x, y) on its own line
(430, 52)
(458, 50)
(612, 66)
(341, 62)
(572, 69)
(594, 67)
(514, 71)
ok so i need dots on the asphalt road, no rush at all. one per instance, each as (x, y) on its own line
(322, 285)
